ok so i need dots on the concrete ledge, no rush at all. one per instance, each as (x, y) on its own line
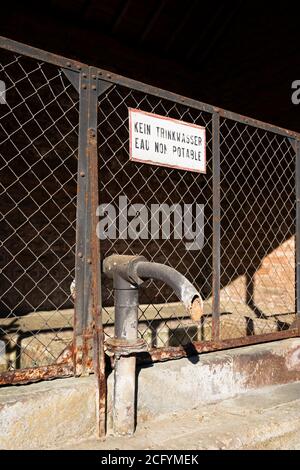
(268, 418)
(180, 385)
(49, 414)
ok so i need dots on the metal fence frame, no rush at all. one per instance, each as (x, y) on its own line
(68, 366)
(80, 358)
(165, 353)
(87, 352)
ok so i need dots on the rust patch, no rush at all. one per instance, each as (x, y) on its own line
(124, 347)
(66, 357)
(25, 376)
(83, 354)
(266, 369)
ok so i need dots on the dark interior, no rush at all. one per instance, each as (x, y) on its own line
(239, 55)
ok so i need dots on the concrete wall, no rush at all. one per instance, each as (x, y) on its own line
(51, 413)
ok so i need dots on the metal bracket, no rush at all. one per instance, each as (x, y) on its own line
(123, 347)
(103, 86)
(96, 84)
(73, 77)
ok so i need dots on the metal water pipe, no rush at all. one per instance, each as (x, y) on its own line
(128, 273)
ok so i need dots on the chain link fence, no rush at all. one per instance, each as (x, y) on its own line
(38, 173)
(258, 219)
(245, 270)
(258, 215)
(162, 319)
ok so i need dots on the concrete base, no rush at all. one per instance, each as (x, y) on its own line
(180, 385)
(268, 418)
(49, 414)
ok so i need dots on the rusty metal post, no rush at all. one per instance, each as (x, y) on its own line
(216, 227)
(297, 238)
(89, 350)
(82, 268)
(94, 260)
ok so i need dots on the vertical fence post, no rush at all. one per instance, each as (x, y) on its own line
(98, 338)
(89, 352)
(297, 237)
(216, 226)
(82, 236)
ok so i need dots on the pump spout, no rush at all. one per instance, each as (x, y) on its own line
(128, 273)
(136, 270)
(182, 287)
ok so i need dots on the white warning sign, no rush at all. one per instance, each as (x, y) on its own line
(165, 141)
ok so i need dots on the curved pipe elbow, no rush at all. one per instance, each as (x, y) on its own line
(183, 288)
(134, 270)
